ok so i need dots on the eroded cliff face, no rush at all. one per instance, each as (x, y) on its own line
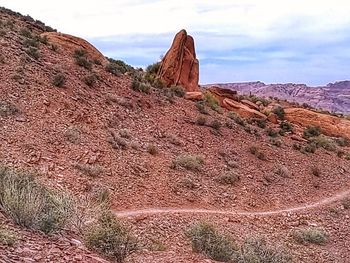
(180, 65)
(334, 97)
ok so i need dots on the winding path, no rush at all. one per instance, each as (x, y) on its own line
(154, 211)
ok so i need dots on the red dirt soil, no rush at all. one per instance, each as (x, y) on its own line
(36, 139)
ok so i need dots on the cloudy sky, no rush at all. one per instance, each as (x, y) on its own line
(272, 41)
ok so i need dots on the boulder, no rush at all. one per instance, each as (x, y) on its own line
(330, 125)
(272, 117)
(71, 43)
(220, 94)
(194, 95)
(250, 104)
(180, 65)
(242, 110)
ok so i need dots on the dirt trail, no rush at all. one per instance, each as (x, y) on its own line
(153, 211)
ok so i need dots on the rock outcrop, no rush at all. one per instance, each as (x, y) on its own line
(194, 95)
(330, 125)
(71, 43)
(242, 110)
(180, 65)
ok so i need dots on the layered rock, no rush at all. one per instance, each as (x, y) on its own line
(180, 65)
(220, 94)
(330, 125)
(242, 110)
(71, 43)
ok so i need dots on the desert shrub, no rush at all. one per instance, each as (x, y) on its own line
(33, 52)
(312, 131)
(53, 47)
(276, 142)
(178, 91)
(7, 109)
(90, 80)
(7, 237)
(117, 142)
(271, 132)
(125, 133)
(260, 123)
(201, 121)
(342, 142)
(91, 170)
(279, 111)
(228, 178)
(208, 241)
(201, 107)
(347, 156)
(324, 142)
(316, 171)
(83, 62)
(72, 134)
(285, 126)
(25, 32)
(59, 80)
(236, 118)
(310, 148)
(31, 42)
(256, 250)
(109, 238)
(80, 52)
(257, 152)
(282, 171)
(216, 125)
(212, 102)
(152, 149)
(316, 236)
(190, 162)
(113, 68)
(140, 86)
(30, 204)
(297, 146)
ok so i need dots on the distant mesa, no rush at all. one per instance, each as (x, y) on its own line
(72, 43)
(180, 65)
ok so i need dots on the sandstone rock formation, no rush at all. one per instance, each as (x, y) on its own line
(180, 65)
(194, 95)
(330, 125)
(220, 94)
(250, 104)
(242, 110)
(72, 43)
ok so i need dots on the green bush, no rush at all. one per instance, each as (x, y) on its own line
(208, 241)
(285, 126)
(324, 142)
(316, 236)
(31, 204)
(81, 59)
(140, 86)
(201, 107)
(190, 162)
(114, 68)
(178, 91)
(118, 66)
(211, 101)
(109, 238)
(272, 133)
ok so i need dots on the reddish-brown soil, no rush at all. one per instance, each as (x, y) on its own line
(36, 139)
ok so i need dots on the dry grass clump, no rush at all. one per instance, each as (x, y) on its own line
(7, 109)
(228, 178)
(59, 80)
(109, 238)
(201, 121)
(312, 131)
(72, 134)
(81, 59)
(91, 170)
(29, 203)
(7, 236)
(316, 236)
(257, 152)
(152, 149)
(208, 241)
(190, 162)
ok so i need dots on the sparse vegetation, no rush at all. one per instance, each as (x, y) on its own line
(7, 109)
(178, 91)
(208, 241)
(81, 59)
(212, 102)
(33, 52)
(140, 86)
(216, 125)
(316, 236)
(285, 126)
(117, 141)
(312, 131)
(190, 162)
(201, 107)
(31, 204)
(7, 236)
(72, 134)
(90, 80)
(59, 80)
(279, 111)
(201, 121)
(152, 149)
(282, 171)
(271, 132)
(256, 250)
(324, 142)
(315, 170)
(91, 170)
(228, 178)
(109, 238)
(236, 118)
(125, 133)
(255, 151)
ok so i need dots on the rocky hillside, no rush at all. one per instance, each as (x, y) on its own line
(335, 97)
(101, 162)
